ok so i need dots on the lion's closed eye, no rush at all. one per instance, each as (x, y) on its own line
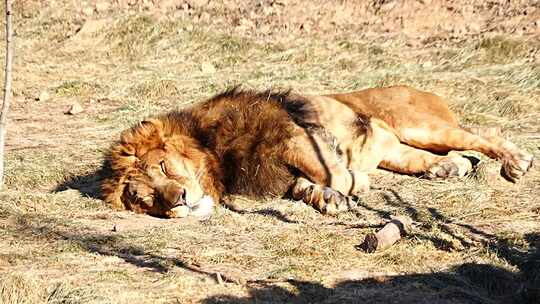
(163, 167)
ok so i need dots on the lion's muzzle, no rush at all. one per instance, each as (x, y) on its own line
(173, 194)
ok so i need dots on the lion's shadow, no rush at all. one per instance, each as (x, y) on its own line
(88, 184)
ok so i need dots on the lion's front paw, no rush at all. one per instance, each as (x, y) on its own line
(515, 165)
(324, 199)
(452, 166)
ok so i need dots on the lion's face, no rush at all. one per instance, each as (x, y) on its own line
(159, 175)
(164, 180)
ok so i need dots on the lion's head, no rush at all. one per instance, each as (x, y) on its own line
(157, 170)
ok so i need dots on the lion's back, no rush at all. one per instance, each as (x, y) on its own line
(248, 132)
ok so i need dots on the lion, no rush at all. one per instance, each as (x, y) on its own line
(314, 148)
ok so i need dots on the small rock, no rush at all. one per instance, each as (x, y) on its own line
(90, 28)
(427, 64)
(198, 3)
(147, 4)
(75, 108)
(208, 67)
(102, 6)
(69, 193)
(474, 27)
(44, 96)
(166, 4)
(88, 11)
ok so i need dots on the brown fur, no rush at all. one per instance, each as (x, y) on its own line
(267, 143)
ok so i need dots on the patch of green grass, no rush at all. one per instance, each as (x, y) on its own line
(353, 46)
(376, 50)
(156, 89)
(510, 108)
(77, 88)
(233, 44)
(135, 36)
(286, 271)
(392, 80)
(501, 49)
(21, 289)
(53, 29)
(36, 174)
(114, 275)
(27, 288)
(228, 50)
(346, 64)
(526, 77)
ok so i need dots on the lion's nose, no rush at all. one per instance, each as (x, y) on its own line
(174, 194)
(179, 197)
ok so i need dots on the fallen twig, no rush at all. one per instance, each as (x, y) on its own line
(387, 236)
(222, 278)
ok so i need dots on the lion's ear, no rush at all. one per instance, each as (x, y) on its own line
(142, 137)
(143, 130)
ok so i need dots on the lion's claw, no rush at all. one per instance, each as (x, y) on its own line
(326, 200)
(516, 165)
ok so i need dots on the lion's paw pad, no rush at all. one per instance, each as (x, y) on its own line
(450, 167)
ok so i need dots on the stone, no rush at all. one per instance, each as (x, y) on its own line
(75, 108)
(102, 6)
(88, 11)
(44, 96)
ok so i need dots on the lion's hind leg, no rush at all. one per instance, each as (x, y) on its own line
(405, 159)
(443, 138)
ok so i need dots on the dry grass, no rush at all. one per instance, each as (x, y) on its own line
(476, 239)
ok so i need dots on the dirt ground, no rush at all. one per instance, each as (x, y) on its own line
(475, 239)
